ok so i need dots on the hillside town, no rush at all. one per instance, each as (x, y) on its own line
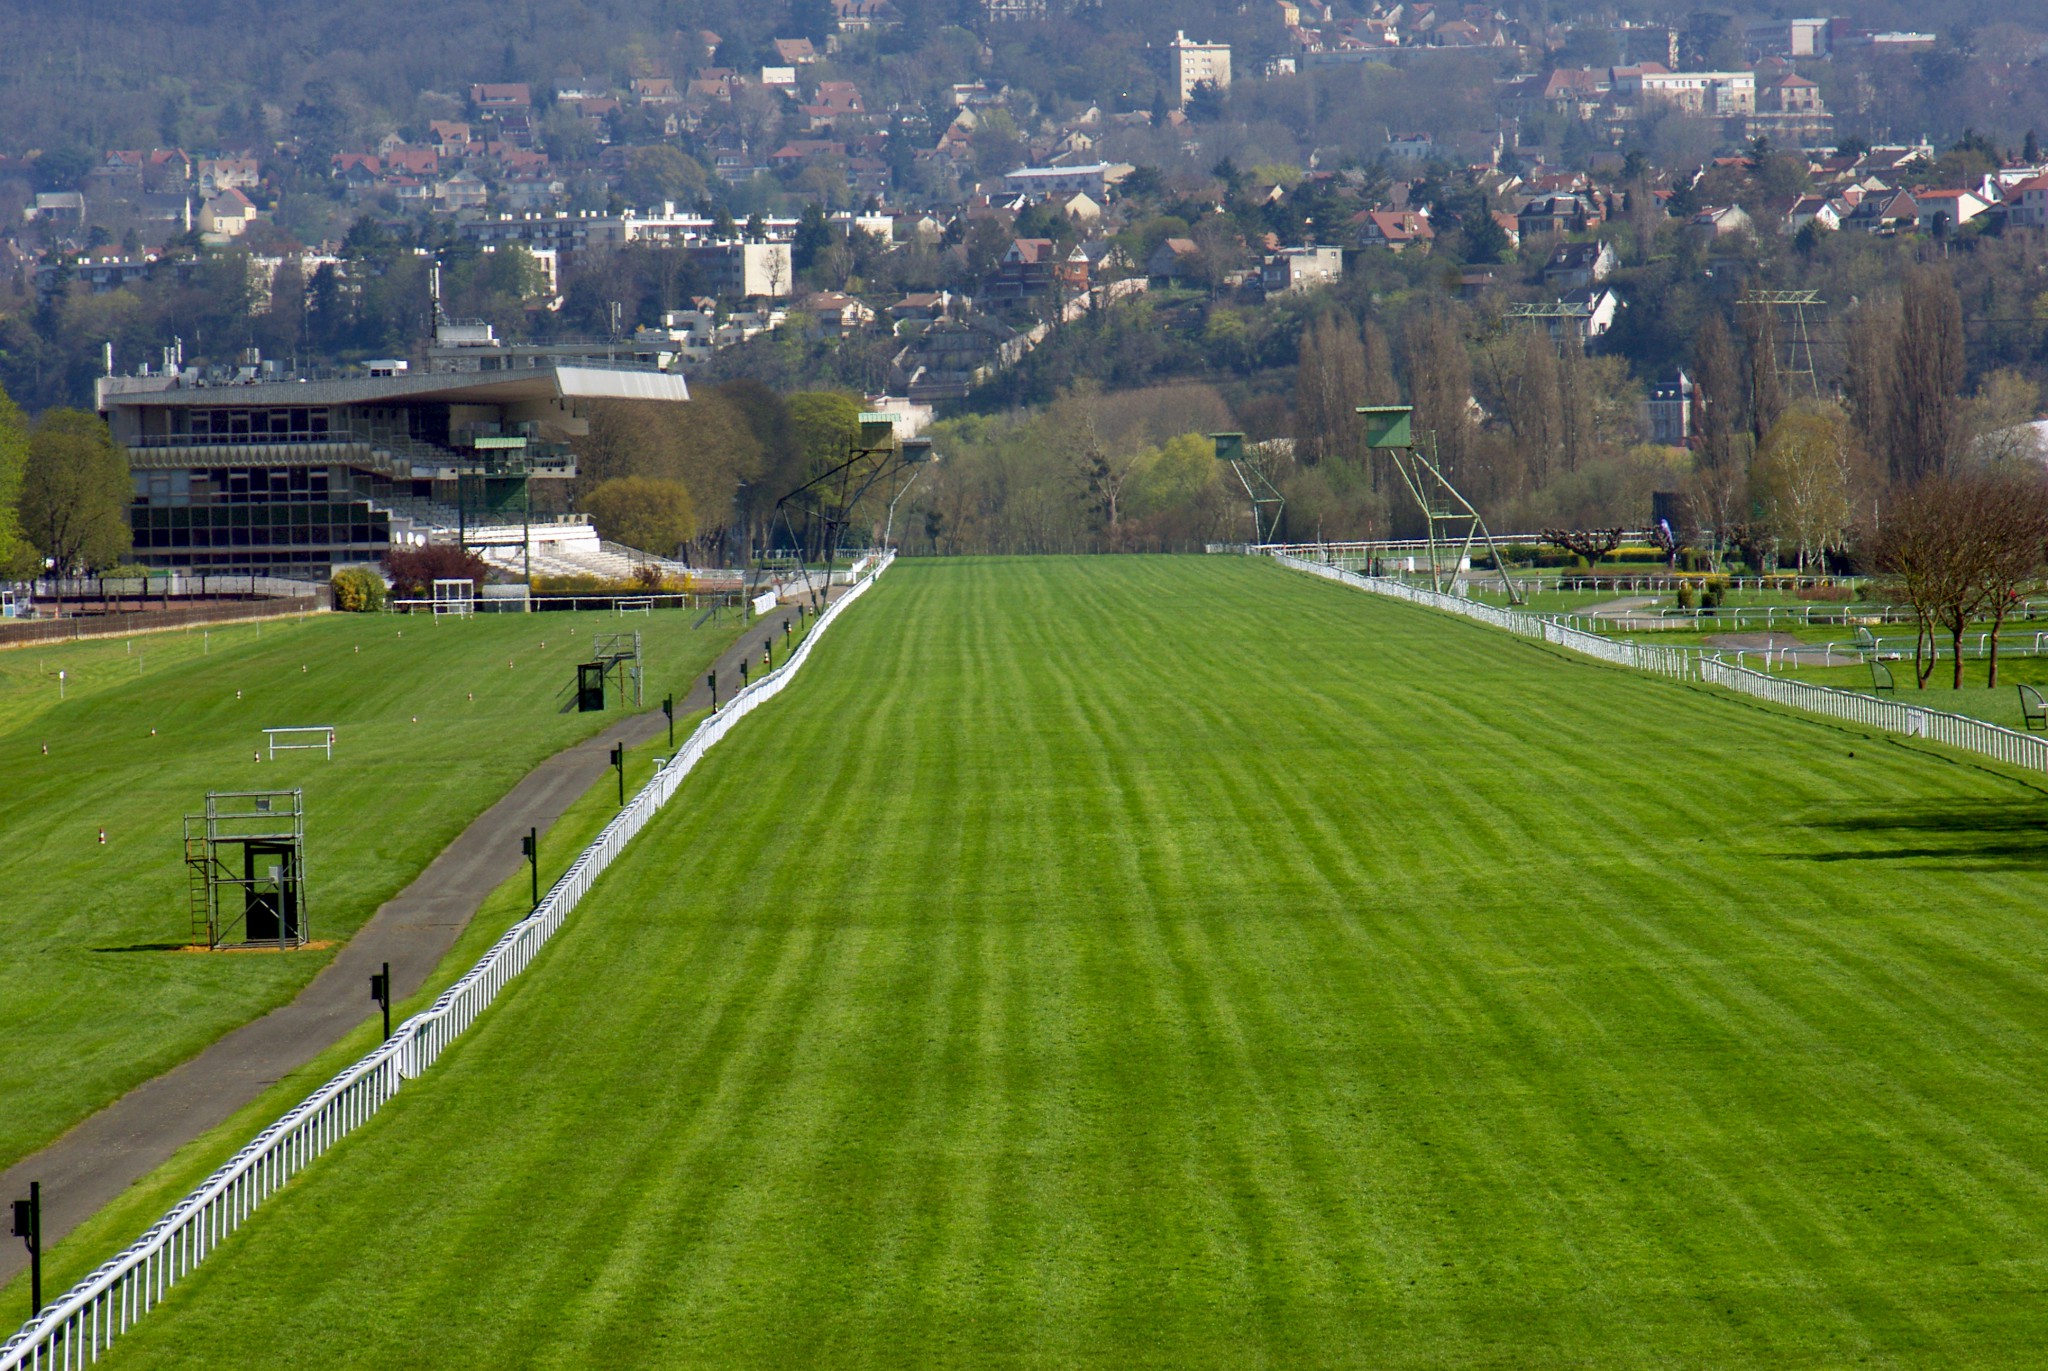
(949, 231)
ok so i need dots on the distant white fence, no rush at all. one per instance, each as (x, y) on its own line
(80, 1325)
(1956, 730)
(1664, 661)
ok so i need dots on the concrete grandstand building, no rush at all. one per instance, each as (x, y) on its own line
(289, 476)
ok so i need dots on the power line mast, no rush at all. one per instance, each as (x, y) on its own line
(1567, 321)
(1449, 518)
(1268, 506)
(1797, 344)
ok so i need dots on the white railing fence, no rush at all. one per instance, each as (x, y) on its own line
(1664, 661)
(1956, 730)
(78, 1326)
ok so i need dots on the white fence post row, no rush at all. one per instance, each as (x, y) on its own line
(1914, 721)
(1956, 730)
(79, 1325)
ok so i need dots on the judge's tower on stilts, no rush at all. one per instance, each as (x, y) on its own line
(1449, 519)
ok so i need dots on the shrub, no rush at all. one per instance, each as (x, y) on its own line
(1687, 596)
(1832, 593)
(415, 569)
(1713, 591)
(358, 590)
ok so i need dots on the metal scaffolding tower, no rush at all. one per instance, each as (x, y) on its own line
(1449, 518)
(245, 867)
(815, 514)
(1251, 474)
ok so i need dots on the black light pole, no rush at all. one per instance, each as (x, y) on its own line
(529, 847)
(619, 763)
(380, 991)
(743, 673)
(785, 630)
(28, 1226)
(668, 707)
(768, 653)
(711, 679)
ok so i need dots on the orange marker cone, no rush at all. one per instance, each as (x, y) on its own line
(103, 837)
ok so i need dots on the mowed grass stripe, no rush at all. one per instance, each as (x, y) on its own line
(1174, 961)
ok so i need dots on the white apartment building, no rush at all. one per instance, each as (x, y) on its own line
(1698, 92)
(1194, 63)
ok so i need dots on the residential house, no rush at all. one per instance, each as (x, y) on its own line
(1943, 211)
(64, 207)
(836, 312)
(1585, 314)
(833, 101)
(2027, 203)
(1791, 94)
(1671, 411)
(1302, 268)
(501, 97)
(1410, 147)
(1557, 214)
(1884, 213)
(1720, 221)
(1172, 259)
(411, 161)
(1396, 230)
(1574, 265)
(227, 214)
(656, 90)
(795, 52)
(1802, 210)
(1029, 267)
(921, 307)
(465, 190)
(1079, 206)
(217, 174)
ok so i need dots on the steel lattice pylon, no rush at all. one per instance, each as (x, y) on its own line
(1251, 474)
(1798, 343)
(1449, 518)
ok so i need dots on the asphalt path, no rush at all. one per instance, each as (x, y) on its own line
(88, 1167)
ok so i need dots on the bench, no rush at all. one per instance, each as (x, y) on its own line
(2033, 709)
(1881, 679)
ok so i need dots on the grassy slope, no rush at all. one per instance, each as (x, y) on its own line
(92, 998)
(1182, 962)
(114, 1227)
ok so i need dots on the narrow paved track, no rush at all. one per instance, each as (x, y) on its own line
(91, 1165)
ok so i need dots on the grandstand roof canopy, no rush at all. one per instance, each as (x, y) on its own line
(547, 381)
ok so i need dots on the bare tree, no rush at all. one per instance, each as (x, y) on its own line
(1953, 547)
(2015, 514)
(1868, 379)
(1589, 543)
(1440, 380)
(1927, 415)
(1766, 389)
(1330, 382)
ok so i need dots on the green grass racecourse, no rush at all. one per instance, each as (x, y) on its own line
(94, 996)
(1182, 962)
